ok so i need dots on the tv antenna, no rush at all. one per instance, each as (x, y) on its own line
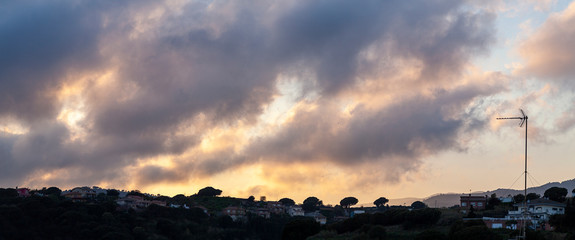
(523, 119)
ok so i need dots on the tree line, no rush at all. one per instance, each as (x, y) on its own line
(47, 215)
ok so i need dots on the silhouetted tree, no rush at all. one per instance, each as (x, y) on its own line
(112, 193)
(251, 198)
(354, 223)
(300, 229)
(418, 205)
(532, 196)
(101, 197)
(287, 202)
(348, 201)
(8, 192)
(311, 204)
(471, 213)
(225, 221)
(163, 198)
(209, 192)
(556, 194)
(380, 202)
(564, 222)
(338, 211)
(422, 217)
(493, 201)
(51, 191)
(136, 193)
(393, 216)
(377, 232)
(179, 199)
(474, 230)
(518, 198)
(430, 235)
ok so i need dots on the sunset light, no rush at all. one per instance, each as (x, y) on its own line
(285, 98)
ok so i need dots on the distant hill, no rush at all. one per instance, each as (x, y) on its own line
(403, 201)
(451, 199)
(394, 202)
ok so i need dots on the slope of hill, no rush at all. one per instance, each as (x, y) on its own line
(450, 199)
(403, 201)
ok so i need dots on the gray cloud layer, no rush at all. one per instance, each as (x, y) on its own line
(217, 65)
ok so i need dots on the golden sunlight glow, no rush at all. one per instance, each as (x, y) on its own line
(46, 176)
(43, 176)
(12, 127)
(72, 118)
(244, 178)
(164, 161)
(220, 138)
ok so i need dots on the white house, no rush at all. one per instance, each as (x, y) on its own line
(537, 212)
(538, 209)
(318, 217)
(236, 213)
(295, 211)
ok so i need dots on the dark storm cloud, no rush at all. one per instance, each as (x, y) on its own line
(407, 130)
(171, 70)
(44, 148)
(6, 143)
(330, 35)
(41, 43)
(183, 75)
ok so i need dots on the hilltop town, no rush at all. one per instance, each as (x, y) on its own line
(50, 213)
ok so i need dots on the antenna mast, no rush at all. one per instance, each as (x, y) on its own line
(523, 119)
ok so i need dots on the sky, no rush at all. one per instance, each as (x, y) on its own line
(290, 99)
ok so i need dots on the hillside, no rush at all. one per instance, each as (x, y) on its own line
(450, 199)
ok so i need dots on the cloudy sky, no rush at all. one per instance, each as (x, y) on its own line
(286, 98)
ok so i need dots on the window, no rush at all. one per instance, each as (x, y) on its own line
(480, 204)
(463, 204)
(497, 225)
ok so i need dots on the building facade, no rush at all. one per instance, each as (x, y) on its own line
(477, 202)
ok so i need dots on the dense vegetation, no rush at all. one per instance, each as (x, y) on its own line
(48, 215)
(54, 218)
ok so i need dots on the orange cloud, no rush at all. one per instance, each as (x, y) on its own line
(549, 51)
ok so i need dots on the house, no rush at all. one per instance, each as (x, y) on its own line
(295, 211)
(318, 217)
(236, 213)
(204, 209)
(538, 209)
(508, 199)
(275, 207)
(495, 223)
(137, 202)
(535, 212)
(356, 212)
(340, 218)
(477, 202)
(128, 202)
(158, 202)
(23, 192)
(80, 194)
(262, 212)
